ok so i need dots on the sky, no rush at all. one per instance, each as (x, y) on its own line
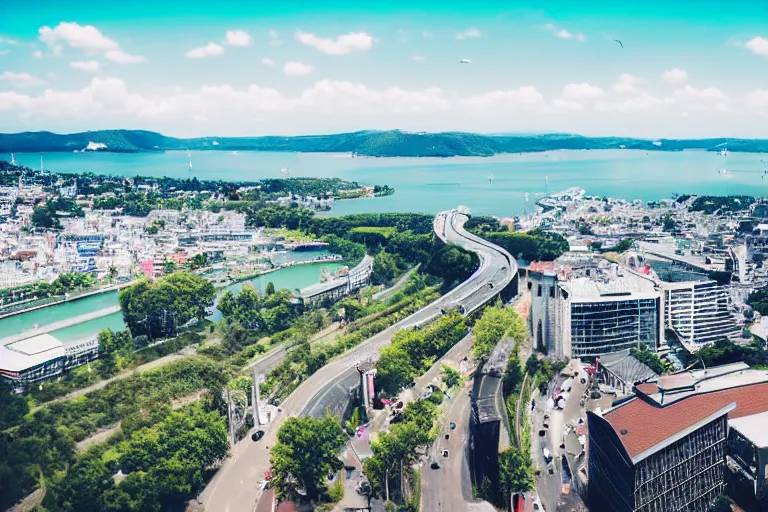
(254, 67)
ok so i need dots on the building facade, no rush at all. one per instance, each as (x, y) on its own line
(699, 312)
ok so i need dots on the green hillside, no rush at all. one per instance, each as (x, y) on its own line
(364, 143)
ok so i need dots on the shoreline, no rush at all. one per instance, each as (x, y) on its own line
(110, 288)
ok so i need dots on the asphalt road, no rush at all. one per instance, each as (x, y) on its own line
(449, 489)
(236, 487)
(549, 487)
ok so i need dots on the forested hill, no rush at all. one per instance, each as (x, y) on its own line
(364, 143)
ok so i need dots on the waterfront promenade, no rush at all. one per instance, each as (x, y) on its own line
(29, 333)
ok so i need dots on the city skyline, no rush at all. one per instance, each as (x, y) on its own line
(235, 69)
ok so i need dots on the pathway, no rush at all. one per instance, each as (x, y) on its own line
(385, 293)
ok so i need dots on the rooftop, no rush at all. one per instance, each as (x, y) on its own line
(626, 367)
(605, 287)
(30, 352)
(753, 428)
(643, 426)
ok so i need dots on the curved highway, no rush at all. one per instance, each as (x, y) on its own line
(236, 487)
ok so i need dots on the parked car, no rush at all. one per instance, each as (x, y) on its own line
(435, 465)
(256, 436)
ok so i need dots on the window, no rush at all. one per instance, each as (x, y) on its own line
(552, 292)
(539, 291)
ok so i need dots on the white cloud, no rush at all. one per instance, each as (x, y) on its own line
(274, 37)
(522, 97)
(5, 40)
(697, 99)
(419, 58)
(88, 65)
(674, 76)
(470, 32)
(342, 45)
(293, 68)
(272, 33)
(85, 37)
(110, 96)
(121, 57)
(641, 103)
(20, 79)
(37, 54)
(758, 100)
(267, 62)
(237, 38)
(563, 33)
(4, 52)
(335, 94)
(626, 84)
(572, 106)
(210, 50)
(426, 34)
(757, 45)
(581, 91)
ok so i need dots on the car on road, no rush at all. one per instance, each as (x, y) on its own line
(435, 465)
(256, 436)
(452, 425)
(547, 455)
(445, 453)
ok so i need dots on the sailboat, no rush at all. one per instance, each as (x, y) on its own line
(490, 179)
(189, 156)
(13, 159)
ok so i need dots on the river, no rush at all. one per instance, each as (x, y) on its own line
(429, 185)
(298, 276)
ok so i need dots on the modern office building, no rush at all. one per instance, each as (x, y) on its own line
(664, 449)
(699, 312)
(747, 462)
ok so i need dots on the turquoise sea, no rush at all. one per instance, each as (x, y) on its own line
(429, 185)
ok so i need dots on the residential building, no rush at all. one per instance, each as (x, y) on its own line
(620, 372)
(699, 312)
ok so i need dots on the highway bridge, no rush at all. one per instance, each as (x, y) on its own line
(237, 485)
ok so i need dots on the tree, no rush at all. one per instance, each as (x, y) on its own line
(394, 369)
(450, 376)
(13, 407)
(496, 323)
(384, 268)
(307, 450)
(158, 309)
(515, 473)
(269, 289)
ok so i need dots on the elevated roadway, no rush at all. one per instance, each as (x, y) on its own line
(237, 486)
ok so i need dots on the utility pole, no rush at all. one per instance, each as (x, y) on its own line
(256, 397)
(229, 416)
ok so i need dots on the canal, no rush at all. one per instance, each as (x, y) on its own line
(291, 278)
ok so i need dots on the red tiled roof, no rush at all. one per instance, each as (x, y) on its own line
(542, 266)
(649, 388)
(648, 425)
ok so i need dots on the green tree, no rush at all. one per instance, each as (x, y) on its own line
(269, 289)
(515, 473)
(307, 450)
(450, 376)
(394, 369)
(493, 325)
(13, 407)
(384, 268)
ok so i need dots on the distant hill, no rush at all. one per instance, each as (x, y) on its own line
(367, 143)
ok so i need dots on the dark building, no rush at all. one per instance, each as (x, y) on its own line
(664, 449)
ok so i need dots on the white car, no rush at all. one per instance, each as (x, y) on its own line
(547, 455)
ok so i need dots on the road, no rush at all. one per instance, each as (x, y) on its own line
(549, 487)
(449, 489)
(236, 487)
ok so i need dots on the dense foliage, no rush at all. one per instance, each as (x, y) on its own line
(262, 316)
(648, 358)
(412, 352)
(47, 215)
(43, 289)
(398, 448)
(495, 323)
(157, 309)
(306, 451)
(165, 464)
(536, 245)
(725, 351)
(711, 204)
(758, 300)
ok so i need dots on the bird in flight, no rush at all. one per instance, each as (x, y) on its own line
(617, 41)
(465, 61)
